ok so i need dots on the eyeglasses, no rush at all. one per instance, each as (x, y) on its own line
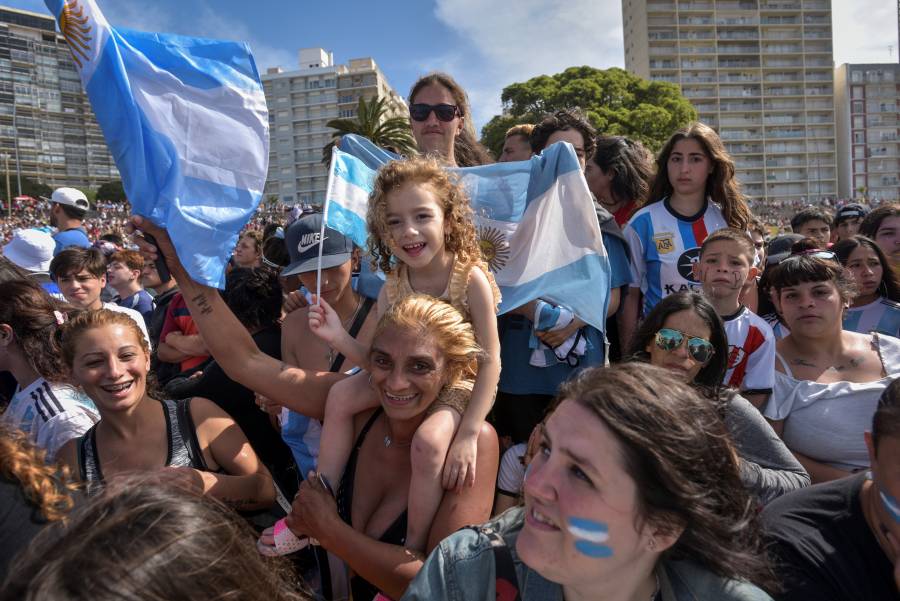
(444, 112)
(700, 349)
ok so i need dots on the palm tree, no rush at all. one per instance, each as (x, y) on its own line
(373, 122)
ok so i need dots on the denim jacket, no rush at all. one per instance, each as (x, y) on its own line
(461, 568)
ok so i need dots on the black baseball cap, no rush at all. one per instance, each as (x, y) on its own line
(302, 240)
(849, 211)
(779, 248)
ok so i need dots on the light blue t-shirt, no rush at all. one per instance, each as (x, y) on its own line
(73, 237)
(518, 376)
(882, 316)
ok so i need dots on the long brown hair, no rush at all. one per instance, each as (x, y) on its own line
(149, 540)
(466, 148)
(677, 450)
(721, 184)
(34, 317)
(45, 485)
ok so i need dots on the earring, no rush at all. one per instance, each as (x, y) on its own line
(652, 544)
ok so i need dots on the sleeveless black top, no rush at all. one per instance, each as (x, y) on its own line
(184, 449)
(395, 533)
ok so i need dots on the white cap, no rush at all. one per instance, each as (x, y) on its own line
(72, 197)
(30, 249)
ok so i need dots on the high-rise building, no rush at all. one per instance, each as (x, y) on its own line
(760, 72)
(300, 103)
(867, 99)
(47, 126)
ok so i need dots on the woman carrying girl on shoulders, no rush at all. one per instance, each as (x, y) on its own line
(422, 236)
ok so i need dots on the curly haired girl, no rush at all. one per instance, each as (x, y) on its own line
(422, 236)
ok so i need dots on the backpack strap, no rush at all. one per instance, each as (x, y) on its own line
(355, 327)
(507, 582)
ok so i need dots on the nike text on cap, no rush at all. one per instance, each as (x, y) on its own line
(71, 197)
(303, 237)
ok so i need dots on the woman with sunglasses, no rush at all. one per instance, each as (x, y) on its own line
(441, 122)
(877, 305)
(827, 379)
(684, 334)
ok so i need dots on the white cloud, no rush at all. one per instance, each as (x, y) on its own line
(863, 31)
(505, 42)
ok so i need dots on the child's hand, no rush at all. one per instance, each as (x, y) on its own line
(324, 321)
(459, 469)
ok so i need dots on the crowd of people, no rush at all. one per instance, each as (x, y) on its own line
(733, 432)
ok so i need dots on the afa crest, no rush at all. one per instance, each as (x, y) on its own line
(665, 243)
(494, 247)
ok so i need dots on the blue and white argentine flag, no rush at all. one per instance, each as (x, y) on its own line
(536, 223)
(186, 122)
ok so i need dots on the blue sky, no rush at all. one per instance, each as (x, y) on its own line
(485, 44)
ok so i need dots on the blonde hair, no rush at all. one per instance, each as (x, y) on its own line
(254, 235)
(460, 237)
(47, 486)
(523, 129)
(73, 329)
(428, 317)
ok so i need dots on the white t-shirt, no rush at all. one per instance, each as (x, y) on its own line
(137, 317)
(511, 476)
(51, 414)
(751, 352)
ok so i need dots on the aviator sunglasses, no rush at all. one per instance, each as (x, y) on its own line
(700, 349)
(444, 112)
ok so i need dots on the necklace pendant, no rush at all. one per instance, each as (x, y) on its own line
(387, 441)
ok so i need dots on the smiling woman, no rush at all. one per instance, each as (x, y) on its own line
(634, 470)
(191, 441)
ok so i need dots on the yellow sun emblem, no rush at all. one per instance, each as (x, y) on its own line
(494, 248)
(74, 26)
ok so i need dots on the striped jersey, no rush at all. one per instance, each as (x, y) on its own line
(664, 247)
(779, 329)
(882, 316)
(50, 414)
(751, 352)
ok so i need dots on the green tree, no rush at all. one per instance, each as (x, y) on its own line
(615, 101)
(30, 187)
(373, 122)
(112, 191)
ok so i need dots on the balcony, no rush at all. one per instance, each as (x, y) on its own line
(696, 35)
(683, 6)
(697, 79)
(795, 76)
(744, 92)
(695, 21)
(784, 105)
(740, 106)
(767, 5)
(739, 134)
(697, 64)
(782, 34)
(738, 49)
(738, 78)
(780, 133)
(743, 148)
(739, 34)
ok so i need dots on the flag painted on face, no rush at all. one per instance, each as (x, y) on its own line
(535, 219)
(185, 120)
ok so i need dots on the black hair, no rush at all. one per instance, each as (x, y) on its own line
(561, 121)
(710, 375)
(886, 421)
(628, 163)
(810, 214)
(254, 296)
(890, 283)
(75, 259)
(802, 268)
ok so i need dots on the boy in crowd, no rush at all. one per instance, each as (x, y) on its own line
(815, 223)
(516, 146)
(848, 219)
(726, 263)
(123, 273)
(80, 274)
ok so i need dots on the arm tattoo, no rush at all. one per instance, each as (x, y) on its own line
(201, 301)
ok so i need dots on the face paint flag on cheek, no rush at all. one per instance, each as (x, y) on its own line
(891, 505)
(186, 122)
(590, 537)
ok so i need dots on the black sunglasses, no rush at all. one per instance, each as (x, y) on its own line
(444, 112)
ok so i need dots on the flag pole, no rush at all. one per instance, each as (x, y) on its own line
(328, 189)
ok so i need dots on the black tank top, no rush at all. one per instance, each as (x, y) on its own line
(184, 449)
(395, 533)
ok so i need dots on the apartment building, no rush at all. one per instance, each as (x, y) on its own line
(47, 127)
(867, 97)
(760, 72)
(300, 103)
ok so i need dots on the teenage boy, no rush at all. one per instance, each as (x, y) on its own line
(80, 274)
(815, 223)
(516, 145)
(726, 263)
(123, 274)
(847, 220)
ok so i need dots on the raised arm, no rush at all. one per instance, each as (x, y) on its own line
(230, 343)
